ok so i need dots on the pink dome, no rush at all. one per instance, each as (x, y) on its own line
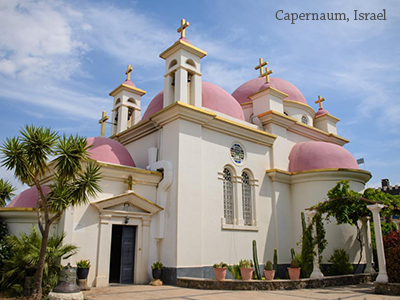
(320, 155)
(213, 97)
(242, 93)
(28, 198)
(109, 151)
(321, 111)
(130, 83)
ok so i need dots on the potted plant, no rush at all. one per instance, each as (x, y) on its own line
(246, 269)
(220, 270)
(157, 270)
(294, 270)
(269, 271)
(83, 267)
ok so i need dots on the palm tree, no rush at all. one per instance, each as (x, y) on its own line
(6, 191)
(75, 178)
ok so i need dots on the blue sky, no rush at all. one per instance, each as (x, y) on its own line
(60, 59)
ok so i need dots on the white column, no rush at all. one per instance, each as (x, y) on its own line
(168, 90)
(181, 77)
(239, 200)
(122, 122)
(316, 273)
(382, 275)
(103, 252)
(368, 247)
(195, 90)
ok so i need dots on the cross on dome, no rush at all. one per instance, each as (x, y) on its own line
(183, 27)
(260, 66)
(128, 72)
(130, 182)
(262, 73)
(320, 100)
(267, 72)
(102, 121)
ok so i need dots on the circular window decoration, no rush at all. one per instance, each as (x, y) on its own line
(237, 153)
(304, 120)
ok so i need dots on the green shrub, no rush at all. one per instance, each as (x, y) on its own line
(4, 249)
(24, 253)
(83, 264)
(235, 271)
(340, 262)
(220, 265)
(157, 265)
(391, 243)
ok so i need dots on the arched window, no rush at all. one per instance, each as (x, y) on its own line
(246, 199)
(228, 196)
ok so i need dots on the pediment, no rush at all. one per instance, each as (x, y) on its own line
(129, 202)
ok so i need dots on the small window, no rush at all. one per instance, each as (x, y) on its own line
(285, 113)
(228, 197)
(173, 63)
(304, 120)
(246, 200)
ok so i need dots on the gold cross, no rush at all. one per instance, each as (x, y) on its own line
(128, 72)
(319, 101)
(102, 121)
(183, 27)
(130, 182)
(267, 72)
(260, 66)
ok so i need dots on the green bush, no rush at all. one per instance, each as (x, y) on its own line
(24, 253)
(4, 249)
(340, 262)
(391, 243)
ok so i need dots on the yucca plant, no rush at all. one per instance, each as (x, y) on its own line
(25, 252)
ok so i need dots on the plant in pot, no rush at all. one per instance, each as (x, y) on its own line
(220, 270)
(83, 267)
(246, 269)
(157, 270)
(294, 270)
(269, 271)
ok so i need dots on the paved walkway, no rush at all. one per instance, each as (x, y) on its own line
(128, 292)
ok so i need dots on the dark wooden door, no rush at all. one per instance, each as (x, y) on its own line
(127, 254)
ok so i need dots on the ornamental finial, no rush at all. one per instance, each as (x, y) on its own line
(128, 72)
(102, 121)
(183, 27)
(320, 100)
(262, 73)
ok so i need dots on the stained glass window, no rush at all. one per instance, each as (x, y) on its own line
(237, 153)
(228, 197)
(304, 120)
(246, 199)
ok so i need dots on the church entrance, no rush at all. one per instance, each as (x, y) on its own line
(122, 254)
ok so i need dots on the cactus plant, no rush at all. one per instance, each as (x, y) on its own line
(255, 258)
(268, 266)
(294, 263)
(275, 259)
(292, 253)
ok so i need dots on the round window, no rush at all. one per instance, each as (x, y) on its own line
(237, 153)
(304, 120)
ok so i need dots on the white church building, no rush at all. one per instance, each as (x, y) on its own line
(202, 173)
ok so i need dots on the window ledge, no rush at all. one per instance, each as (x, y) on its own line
(239, 227)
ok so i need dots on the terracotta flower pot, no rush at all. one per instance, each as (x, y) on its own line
(246, 273)
(220, 273)
(269, 274)
(294, 273)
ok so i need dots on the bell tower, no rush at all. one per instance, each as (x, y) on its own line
(126, 108)
(182, 71)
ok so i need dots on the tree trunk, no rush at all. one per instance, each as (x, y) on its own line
(37, 286)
